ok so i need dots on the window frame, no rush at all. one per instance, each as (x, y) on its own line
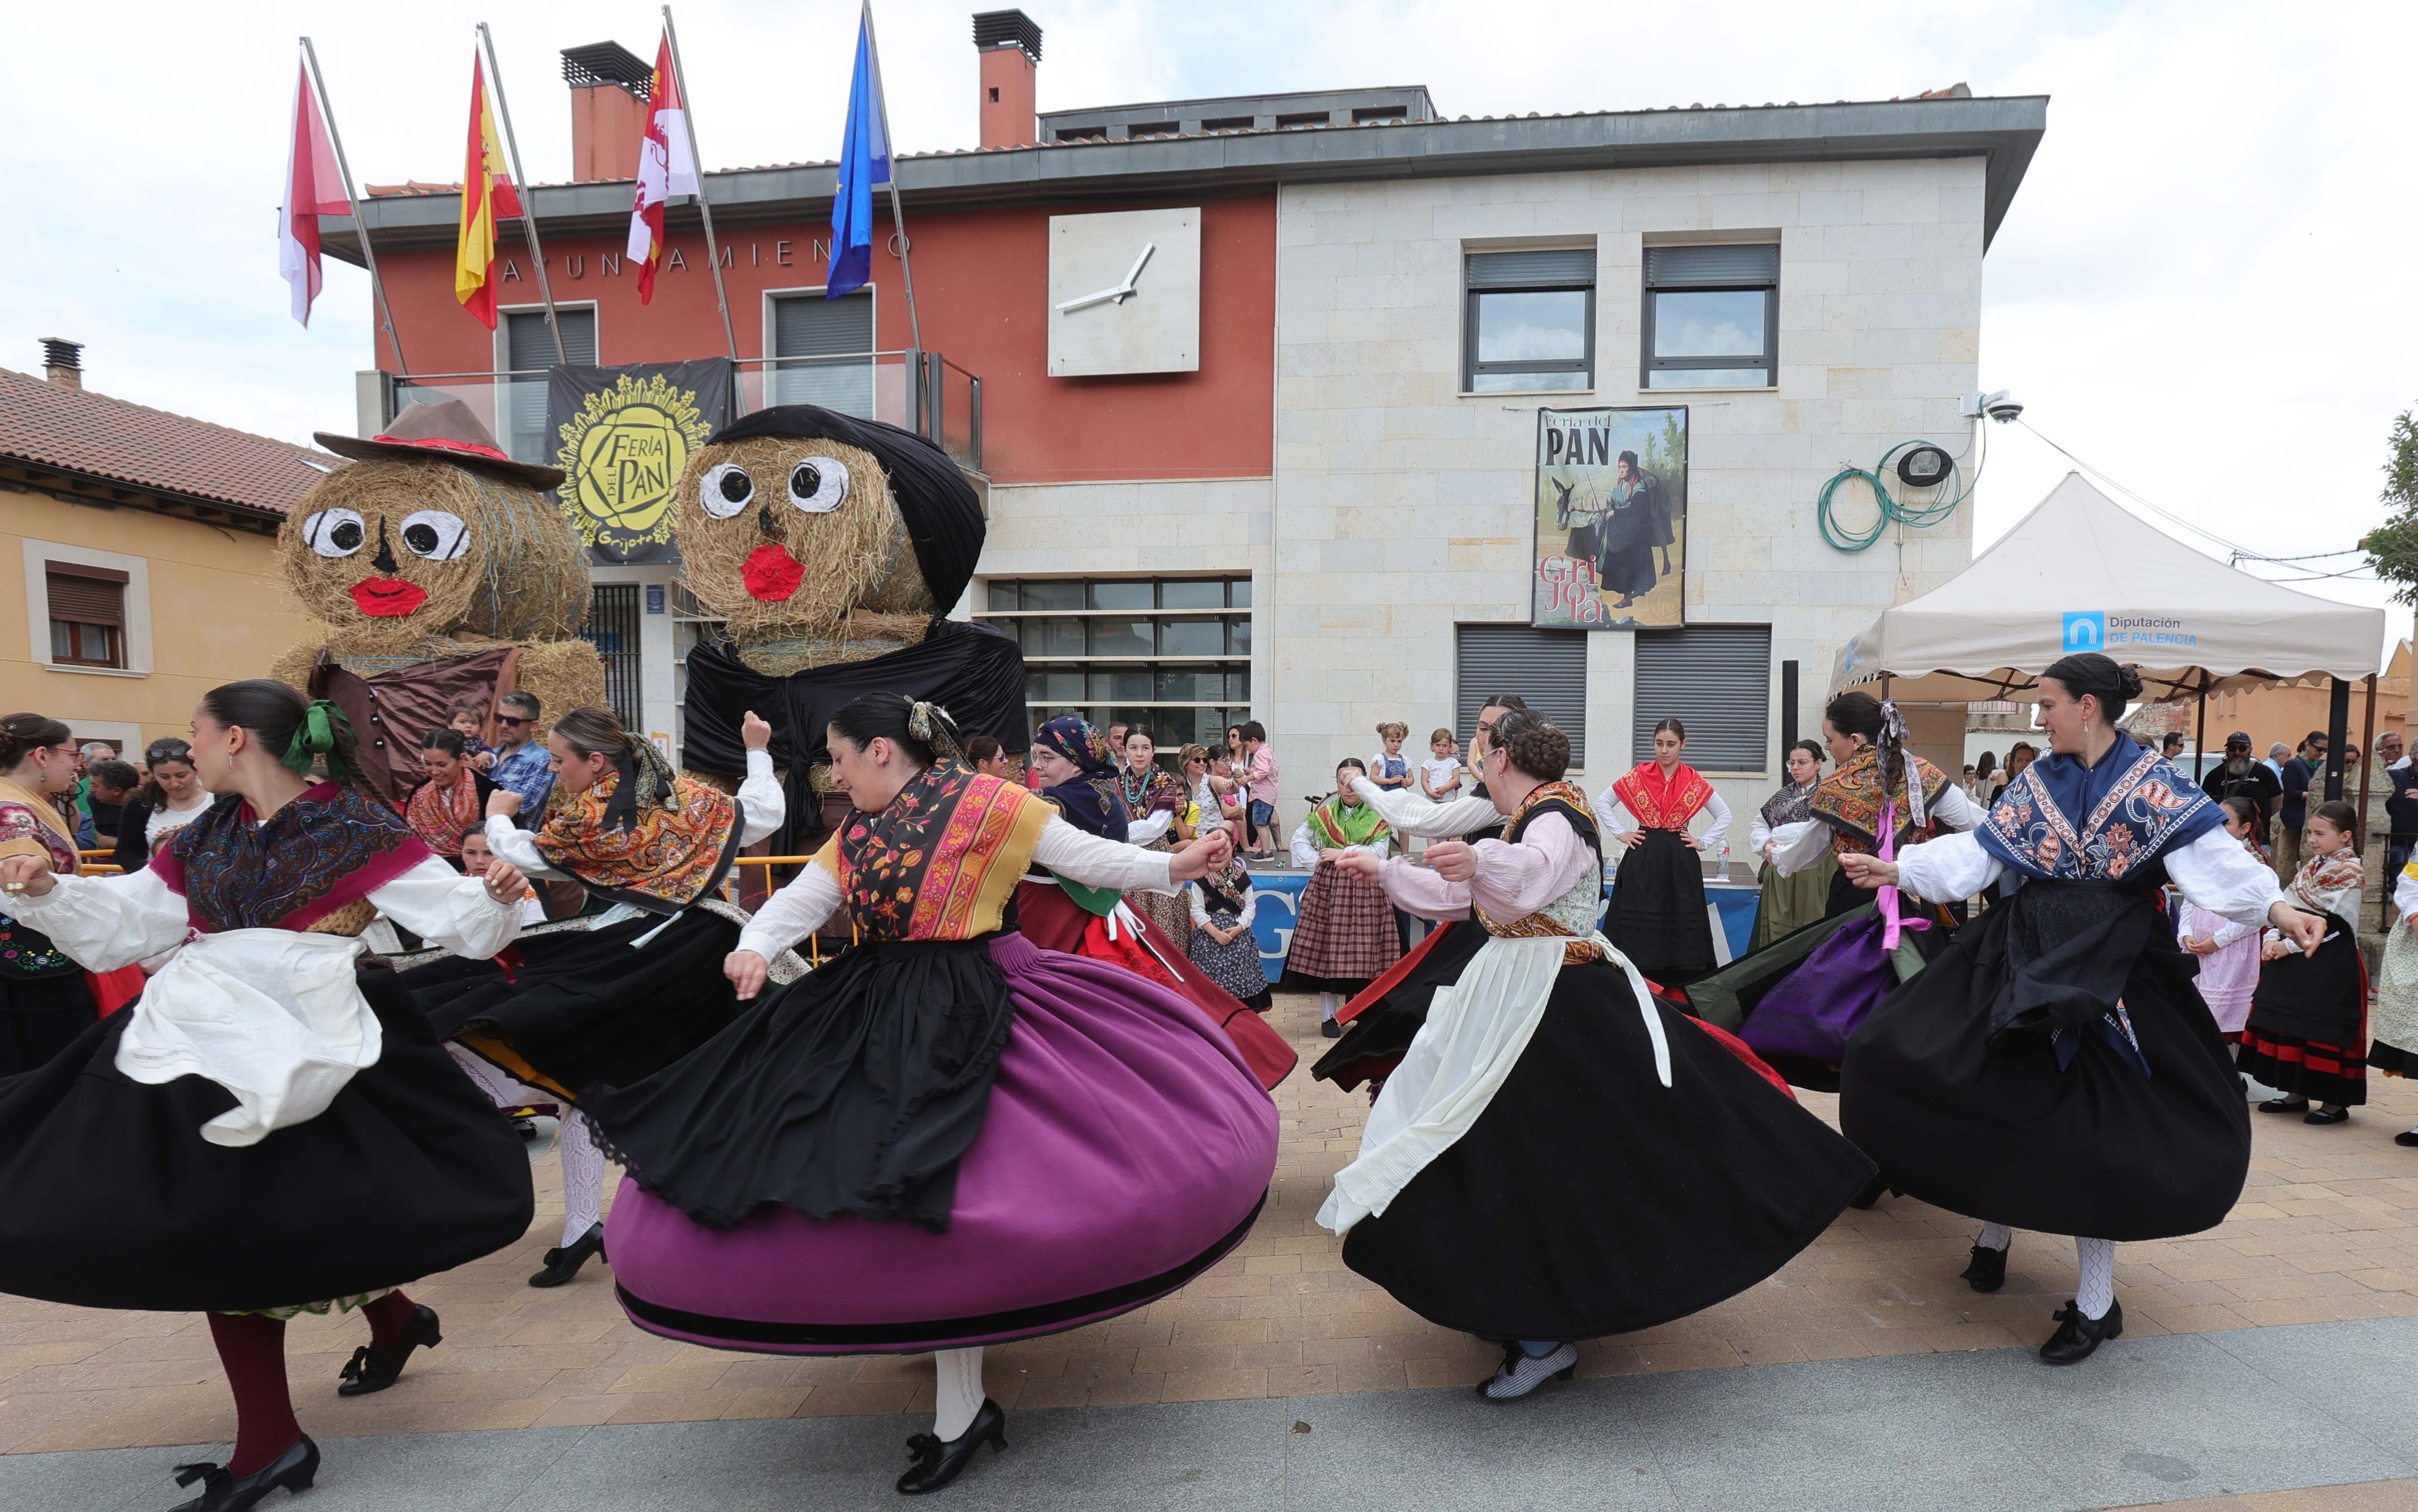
(1472, 368)
(135, 658)
(771, 366)
(1768, 359)
(1235, 611)
(501, 418)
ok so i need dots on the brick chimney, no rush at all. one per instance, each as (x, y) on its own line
(63, 362)
(1010, 45)
(609, 85)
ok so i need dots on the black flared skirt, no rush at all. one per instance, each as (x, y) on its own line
(1992, 1128)
(1589, 1199)
(1374, 1042)
(111, 1197)
(1658, 908)
(586, 1006)
(41, 1016)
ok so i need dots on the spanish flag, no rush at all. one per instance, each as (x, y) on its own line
(487, 197)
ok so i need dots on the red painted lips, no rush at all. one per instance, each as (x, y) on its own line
(771, 574)
(388, 597)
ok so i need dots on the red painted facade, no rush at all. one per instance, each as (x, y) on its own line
(982, 292)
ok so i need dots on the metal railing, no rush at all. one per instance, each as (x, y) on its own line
(916, 390)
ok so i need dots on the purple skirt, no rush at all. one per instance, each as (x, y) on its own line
(1127, 1149)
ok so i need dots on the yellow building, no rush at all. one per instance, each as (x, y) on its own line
(136, 556)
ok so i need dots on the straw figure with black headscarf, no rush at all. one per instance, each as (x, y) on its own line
(443, 574)
(831, 549)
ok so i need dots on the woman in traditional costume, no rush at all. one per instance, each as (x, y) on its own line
(1658, 896)
(2229, 952)
(2308, 1034)
(2395, 1052)
(1344, 936)
(1150, 790)
(1789, 903)
(640, 986)
(452, 799)
(2053, 1068)
(1071, 761)
(1560, 1155)
(948, 1137)
(269, 1129)
(46, 999)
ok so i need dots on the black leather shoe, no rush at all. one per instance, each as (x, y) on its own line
(2339, 1115)
(1988, 1270)
(564, 1264)
(2407, 1138)
(1330, 1029)
(2076, 1336)
(221, 1492)
(938, 1463)
(1869, 1197)
(373, 1368)
(2284, 1105)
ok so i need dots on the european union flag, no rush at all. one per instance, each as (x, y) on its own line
(864, 162)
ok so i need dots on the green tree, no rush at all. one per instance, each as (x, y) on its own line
(2393, 547)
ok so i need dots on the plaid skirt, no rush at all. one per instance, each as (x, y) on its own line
(1346, 935)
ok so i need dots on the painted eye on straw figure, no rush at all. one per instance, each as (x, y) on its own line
(334, 533)
(818, 485)
(435, 534)
(725, 491)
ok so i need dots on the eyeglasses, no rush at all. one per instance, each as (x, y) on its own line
(509, 719)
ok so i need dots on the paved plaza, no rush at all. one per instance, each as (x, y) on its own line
(2277, 1354)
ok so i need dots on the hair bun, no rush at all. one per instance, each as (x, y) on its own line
(2128, 681)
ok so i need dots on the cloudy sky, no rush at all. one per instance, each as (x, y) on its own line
(2202, 290)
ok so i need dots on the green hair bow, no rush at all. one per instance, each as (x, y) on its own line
(315, 738)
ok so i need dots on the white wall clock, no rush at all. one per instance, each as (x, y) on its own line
(1124, 292)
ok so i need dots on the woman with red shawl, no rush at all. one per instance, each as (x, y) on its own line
(452, 799)
(1657, 896)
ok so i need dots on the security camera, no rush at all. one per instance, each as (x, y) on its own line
(2002, 406)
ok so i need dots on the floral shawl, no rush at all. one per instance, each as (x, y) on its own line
(2061, 821)
(329, 848)
(672, 852)
(2324, 884)
(1849, 802)
(29, 817)
(439, 814)
(941, 859)
(1662, 802)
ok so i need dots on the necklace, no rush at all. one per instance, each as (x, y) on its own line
(1134, 794)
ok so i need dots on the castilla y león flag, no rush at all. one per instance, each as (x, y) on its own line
(314, 187)
(666, 166)
(487, 197)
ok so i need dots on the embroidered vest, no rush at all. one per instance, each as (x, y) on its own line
(1573, 913)
(942, 860)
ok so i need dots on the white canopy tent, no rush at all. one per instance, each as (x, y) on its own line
(2078, 574)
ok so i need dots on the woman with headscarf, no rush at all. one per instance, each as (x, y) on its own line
(1071, 761)
(2054, 1069)
(1344, 937)
(947, 1137)
(269, 1130)
(640, 987)
(1560, 1155)
(1789, 903)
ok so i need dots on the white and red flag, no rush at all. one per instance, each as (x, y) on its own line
(314, 187)
(666, 166)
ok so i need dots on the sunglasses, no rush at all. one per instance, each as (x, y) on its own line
(509, 718)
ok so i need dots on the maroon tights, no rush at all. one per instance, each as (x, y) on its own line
(252, 1350)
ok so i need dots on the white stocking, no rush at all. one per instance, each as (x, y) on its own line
(500, 1089)
(2096, 1291)
(1995, 1236)
(1326, 1006)
(961, 1392)
(583, 1176)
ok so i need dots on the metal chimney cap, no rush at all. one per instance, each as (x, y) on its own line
(1008, 28)
(58, 352)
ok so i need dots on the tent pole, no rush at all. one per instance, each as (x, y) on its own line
(2366, 759)
(2199, 739)
(2338, 731)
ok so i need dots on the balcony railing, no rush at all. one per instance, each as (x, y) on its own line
(920, 392)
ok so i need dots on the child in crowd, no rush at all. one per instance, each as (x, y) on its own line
(1345, 936)
(2227, 952)
(1259, 775)
(1439, 773)
(472, 720)
(2307, 1034)
(1389, 769)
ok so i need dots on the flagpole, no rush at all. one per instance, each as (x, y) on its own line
(353, 208)
(898, 215)
(704, 202)
(527, 192)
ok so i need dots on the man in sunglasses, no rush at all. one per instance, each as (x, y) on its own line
(521, 763)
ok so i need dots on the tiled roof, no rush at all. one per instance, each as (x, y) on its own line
(417, 187)
(75, 430)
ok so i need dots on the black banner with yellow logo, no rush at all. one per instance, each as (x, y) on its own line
(623, 435)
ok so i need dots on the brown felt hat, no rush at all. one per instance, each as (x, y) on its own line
(447, 431)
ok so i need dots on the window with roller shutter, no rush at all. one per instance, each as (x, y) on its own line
(1547, 667)
(529, 349)
(822, 352)
(1528, 321)
(1712, 317)
(1716, 679)
(88, 610)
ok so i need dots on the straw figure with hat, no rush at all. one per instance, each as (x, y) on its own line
(444, 574)
(832, 549)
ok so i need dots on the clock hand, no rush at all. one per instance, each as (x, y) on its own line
(1147, 248)
(1101, 297)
